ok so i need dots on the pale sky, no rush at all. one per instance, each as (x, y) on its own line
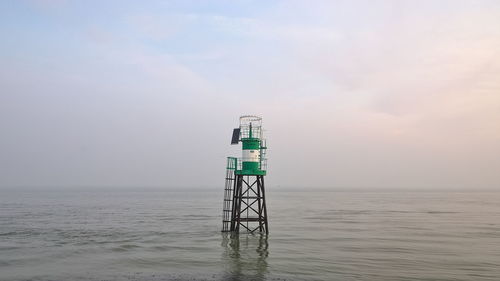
(353, 94)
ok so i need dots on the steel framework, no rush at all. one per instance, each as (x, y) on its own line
(249, 204)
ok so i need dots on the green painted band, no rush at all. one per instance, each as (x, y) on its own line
(251, 172)
(251, 143)
(250, 165)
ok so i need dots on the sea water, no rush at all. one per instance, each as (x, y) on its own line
(153, 234)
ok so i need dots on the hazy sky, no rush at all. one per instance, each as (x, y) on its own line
(352, 93)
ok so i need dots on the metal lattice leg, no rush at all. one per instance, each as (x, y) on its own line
(249, 205)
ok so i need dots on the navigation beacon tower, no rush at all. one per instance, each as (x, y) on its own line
(244, 193)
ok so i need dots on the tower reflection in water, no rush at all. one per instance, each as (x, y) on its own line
(244, 257)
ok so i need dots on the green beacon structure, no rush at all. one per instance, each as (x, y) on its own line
(244, 206)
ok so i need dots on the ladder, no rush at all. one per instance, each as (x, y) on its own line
(227, 206)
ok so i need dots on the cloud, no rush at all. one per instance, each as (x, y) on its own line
(352, 93)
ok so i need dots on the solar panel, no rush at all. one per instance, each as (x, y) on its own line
(236, 136)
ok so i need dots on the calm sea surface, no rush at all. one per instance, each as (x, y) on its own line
(175, 235)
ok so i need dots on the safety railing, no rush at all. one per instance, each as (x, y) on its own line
(232, 163)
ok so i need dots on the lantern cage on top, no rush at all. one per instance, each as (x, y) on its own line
(251, 127)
